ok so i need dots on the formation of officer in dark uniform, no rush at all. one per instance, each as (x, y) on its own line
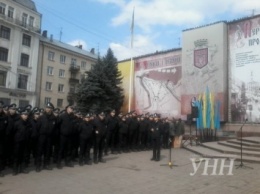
(47, 137)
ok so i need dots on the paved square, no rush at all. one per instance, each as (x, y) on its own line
(132, 173)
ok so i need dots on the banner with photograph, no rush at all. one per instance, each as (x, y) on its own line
(244, 47)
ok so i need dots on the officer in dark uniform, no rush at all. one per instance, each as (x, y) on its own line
(123, 131)
(9, 145)
(56, 135)
(21, 130)
(28, 108)
(165, 135)
(85, 131)
(3, 127)
(156, 131)
(34, 133)
(133, 130)
(66, 123)
(143, 126)
(99, 137)
(75, 136)
(112, 132)
(46, 125)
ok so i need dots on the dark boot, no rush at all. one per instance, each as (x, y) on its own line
(102, 160)
(15, 170)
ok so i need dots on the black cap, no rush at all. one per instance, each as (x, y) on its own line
(49, 105)
(12, 106)
(23, 111)
(36, 110)
(70, 105)
(88, 115)
(102, 114)
(156, 115)
(56, 110)
(28, 107)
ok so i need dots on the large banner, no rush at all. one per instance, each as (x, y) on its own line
(158, 84)
(244, 47)
(204, 71)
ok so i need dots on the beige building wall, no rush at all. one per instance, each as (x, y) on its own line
(55, 57)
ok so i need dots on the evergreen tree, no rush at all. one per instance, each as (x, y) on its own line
(100, 90)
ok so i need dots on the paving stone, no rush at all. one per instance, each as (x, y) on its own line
(134, 173)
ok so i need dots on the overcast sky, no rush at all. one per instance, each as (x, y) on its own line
(158, 24)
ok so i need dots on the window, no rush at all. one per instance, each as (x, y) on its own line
(3, 54)
(5, 32)
(61, 88)
(51, 56)
(59, 102)
(31, 21)
(50, 70)
(83, 65)
(23, 103)
(10, 12)
(62, 59)
(2, 8)
(48, 86)
(24, 60)
(47, 100)
(73, 62)
(61, 73)
(26, 40)
(24, 19)
(22, 81)
(2, 78)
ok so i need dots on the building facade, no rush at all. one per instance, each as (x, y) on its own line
(61, 68)
(20, 25)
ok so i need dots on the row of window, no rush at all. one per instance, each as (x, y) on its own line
(48, 86)
(5, 33)
(21, 83)
(9, 11)
(51, 57)
(50, 71)
(24, 59)
(59, 101)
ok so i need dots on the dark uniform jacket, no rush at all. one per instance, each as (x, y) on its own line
(111, 123)
(22, 130)
(123, 127)
(11, 121)
(85, 130)
(66, 123)
(100, 126)
(143, 125)
(46, 124)
(3, 126)
(156, 130)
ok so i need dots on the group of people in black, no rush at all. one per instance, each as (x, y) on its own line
(48, 136)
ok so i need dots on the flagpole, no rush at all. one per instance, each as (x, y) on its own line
(131, 64)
